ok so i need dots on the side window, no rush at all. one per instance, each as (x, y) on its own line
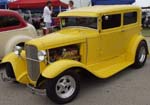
(111, 21)
(8, 21)
(130, 18)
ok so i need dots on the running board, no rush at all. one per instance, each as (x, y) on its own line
(111, 70)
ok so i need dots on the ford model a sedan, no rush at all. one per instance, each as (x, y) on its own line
(102, 40)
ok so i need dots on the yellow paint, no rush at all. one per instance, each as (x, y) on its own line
(19, 67)
(95, 11)
(54, 70)
(103, 52)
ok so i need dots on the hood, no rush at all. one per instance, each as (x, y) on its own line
(63, 37)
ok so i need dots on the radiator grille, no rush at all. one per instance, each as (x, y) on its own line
(33, 65)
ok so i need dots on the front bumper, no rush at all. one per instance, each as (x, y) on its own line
(36, 91)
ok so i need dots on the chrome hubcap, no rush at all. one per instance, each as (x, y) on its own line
(142, 54)
(65, 86)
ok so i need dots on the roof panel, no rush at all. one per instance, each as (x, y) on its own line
(96, 10)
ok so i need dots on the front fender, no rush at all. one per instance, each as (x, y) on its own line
(60, 66)
(19, 66)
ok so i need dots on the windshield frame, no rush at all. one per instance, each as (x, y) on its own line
(79, 26)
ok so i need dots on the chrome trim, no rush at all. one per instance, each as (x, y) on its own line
(33, 64)
(32, 59)
(36, 91)
(142, 54)
(46, 60)
(65, 86)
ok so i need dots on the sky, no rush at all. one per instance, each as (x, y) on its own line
(143, 3)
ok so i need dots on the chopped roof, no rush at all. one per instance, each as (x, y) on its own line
(94, 11)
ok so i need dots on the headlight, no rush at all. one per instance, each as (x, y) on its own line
(18, 50)
(41, 55)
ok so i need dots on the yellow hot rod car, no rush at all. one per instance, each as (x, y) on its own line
(102, 40)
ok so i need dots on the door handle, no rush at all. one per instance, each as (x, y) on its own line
(122, 30)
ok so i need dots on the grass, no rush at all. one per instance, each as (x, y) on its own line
(146, 32)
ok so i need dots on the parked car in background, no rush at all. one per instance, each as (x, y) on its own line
(143, 17)
(101, 40)
(14, 31)
(32, 10)
(146, 19)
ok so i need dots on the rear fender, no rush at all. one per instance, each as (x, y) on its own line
(59, 67)
(132, 48)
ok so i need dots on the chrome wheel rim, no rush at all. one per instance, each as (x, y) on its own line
(65, 86)
(142, 54)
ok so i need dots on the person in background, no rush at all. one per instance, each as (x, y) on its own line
(47, 12)
(71, 5)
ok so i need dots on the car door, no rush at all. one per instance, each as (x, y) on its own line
(131, 26)
(111, 39)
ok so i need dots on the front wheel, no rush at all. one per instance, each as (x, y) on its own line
(141, 55)
(63, 88)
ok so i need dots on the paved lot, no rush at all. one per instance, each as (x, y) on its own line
(148, 41)
(129, 87)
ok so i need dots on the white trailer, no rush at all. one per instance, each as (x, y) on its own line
(79, 3)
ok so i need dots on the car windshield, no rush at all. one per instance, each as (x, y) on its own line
(90, 22)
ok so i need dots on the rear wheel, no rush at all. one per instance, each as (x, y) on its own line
(63, 88)
(141, 55)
